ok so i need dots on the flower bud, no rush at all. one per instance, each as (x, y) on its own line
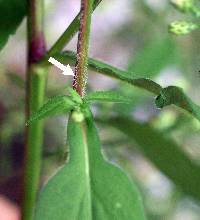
(182, 27)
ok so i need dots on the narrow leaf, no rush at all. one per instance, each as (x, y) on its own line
(88, 188)
(175, 95)
(57, 105)
(107, 96)
(164, 153)
(108, 70)
(12, 13)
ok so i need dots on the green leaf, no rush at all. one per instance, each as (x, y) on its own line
(107, 96)
(186, 6)
(57, 105)
(175, 95)
(87, 187)
(172, 93)
(12, 13)
(74, 95)
(108, 70)
(153, 58)
(164, 153)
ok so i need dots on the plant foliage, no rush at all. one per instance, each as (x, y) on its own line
(88, 187)
(12, 13)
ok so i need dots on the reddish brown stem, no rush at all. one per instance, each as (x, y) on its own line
(80, 77)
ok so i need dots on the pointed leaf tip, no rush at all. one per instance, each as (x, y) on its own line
(175, 95)
(57, 105)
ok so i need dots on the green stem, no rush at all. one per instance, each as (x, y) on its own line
(80, 78)
(69, 33)
(35, 92)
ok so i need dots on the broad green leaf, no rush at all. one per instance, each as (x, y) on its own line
(153, 58)
(107, 96)
(88, 187)
(175, 95)
(57, 105)
(164, 153)
(12, 13)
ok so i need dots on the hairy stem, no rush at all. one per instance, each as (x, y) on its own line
(69, 33)
(80, 78)
(35, 91)
(69, 57)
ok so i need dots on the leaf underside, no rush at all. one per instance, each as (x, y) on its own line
(87, 187)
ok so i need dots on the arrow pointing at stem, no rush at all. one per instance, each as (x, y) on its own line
(66, 69)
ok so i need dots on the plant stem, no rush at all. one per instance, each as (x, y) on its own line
(69, 57)
(69, 33)
(35, 92)
(80, 78)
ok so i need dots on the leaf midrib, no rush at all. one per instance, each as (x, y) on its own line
(87, 171)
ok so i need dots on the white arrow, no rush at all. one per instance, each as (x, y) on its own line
(66, 69)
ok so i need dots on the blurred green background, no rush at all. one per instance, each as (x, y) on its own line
(132, 35)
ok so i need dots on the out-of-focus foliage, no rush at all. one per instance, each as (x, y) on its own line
(153, 58)
(12, 13)
(182, 27)
(186, 6)
(185, 27)
(164, 153)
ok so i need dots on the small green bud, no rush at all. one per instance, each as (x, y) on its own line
(182, 27)
(78, 116)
